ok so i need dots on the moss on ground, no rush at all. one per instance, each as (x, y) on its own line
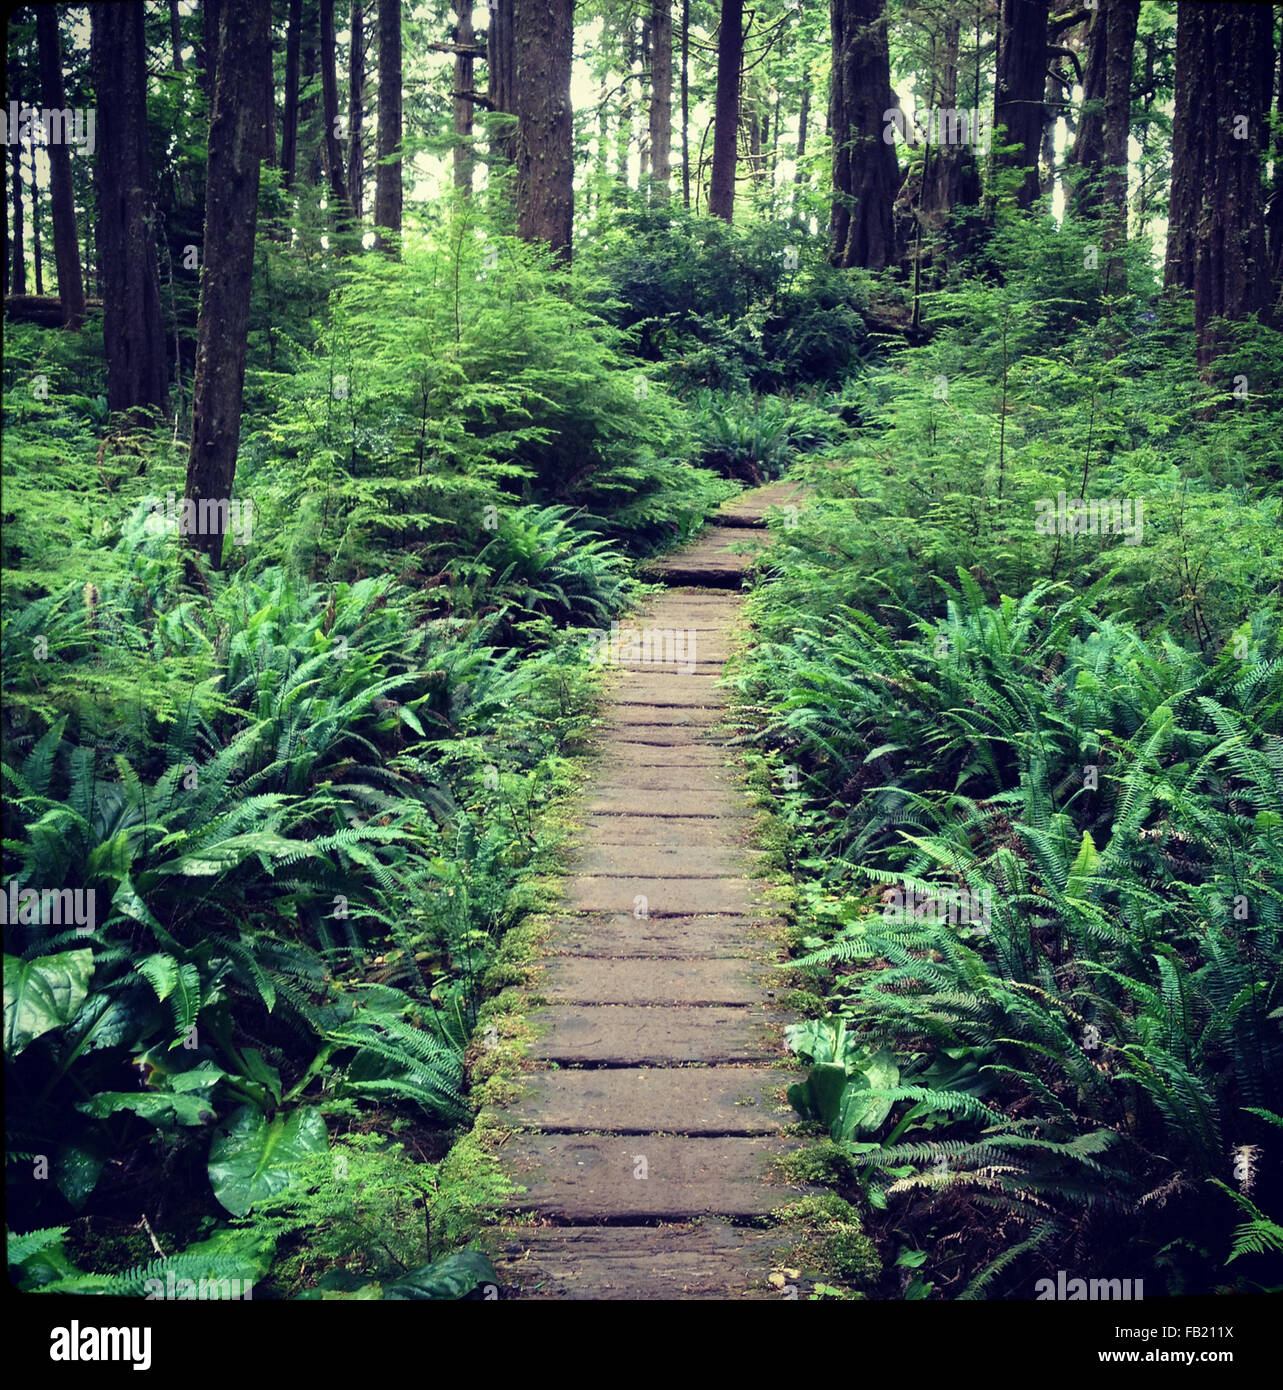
(820, 1162)
(471, 1187)
(827, 1241)
(802, 1001)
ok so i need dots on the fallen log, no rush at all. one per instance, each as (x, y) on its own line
(42, 309)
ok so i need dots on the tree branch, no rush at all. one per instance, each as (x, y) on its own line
(1067, 21)
(1071, 55)
(469, 50)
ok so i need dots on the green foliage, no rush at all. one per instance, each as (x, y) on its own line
(730, 307)
(1258, 1235)
(1109, 953)
(539, 562)
(742, 438)
(268, 788)
(1033, 779)
(42, 994)
(38, 1262)
(846, 1089)
(253, 1158)
(459, 380)
(367, 1214)
(1033, 772)
(1020, 396)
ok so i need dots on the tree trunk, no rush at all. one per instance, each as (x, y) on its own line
(501, 69)
(331, 146)
(387, 181)
(209, 56)
(803, 120)
(310, 147)
(62, 199)
(866, 174)
(1018, 104)
(1088, 153)
(269, 104)
(1274, 208)
(1192, 146)
(18, 267)
(1216, 231)
(4, 176)
(133, 331)
(463, 109)
(754, 142)
(686, 138)
(644, 76)
(356, 111)
(730, 50)
(37, 252)
(289, 119)
(624, 134)
(1051, 104)
(43, 310)
(603, 146)
(940, 176)
(775, 142)
(231, 207)
(545, 134)
(1121, 42)
(175, 35)
(661, 99)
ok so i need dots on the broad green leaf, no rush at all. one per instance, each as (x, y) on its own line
(254, 1158)
(448, 1278)
(156, 1107)
(110, 859)
(258, 1070)
(412, 719)
(227, 854)
(864, 1104)
(42, 994)
(200, 1078)
(76, 1171)
(819, 1097)
(127, 901)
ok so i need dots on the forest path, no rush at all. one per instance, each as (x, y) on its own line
(646, 1133)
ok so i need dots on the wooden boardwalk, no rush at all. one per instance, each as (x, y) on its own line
(644, 1136)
